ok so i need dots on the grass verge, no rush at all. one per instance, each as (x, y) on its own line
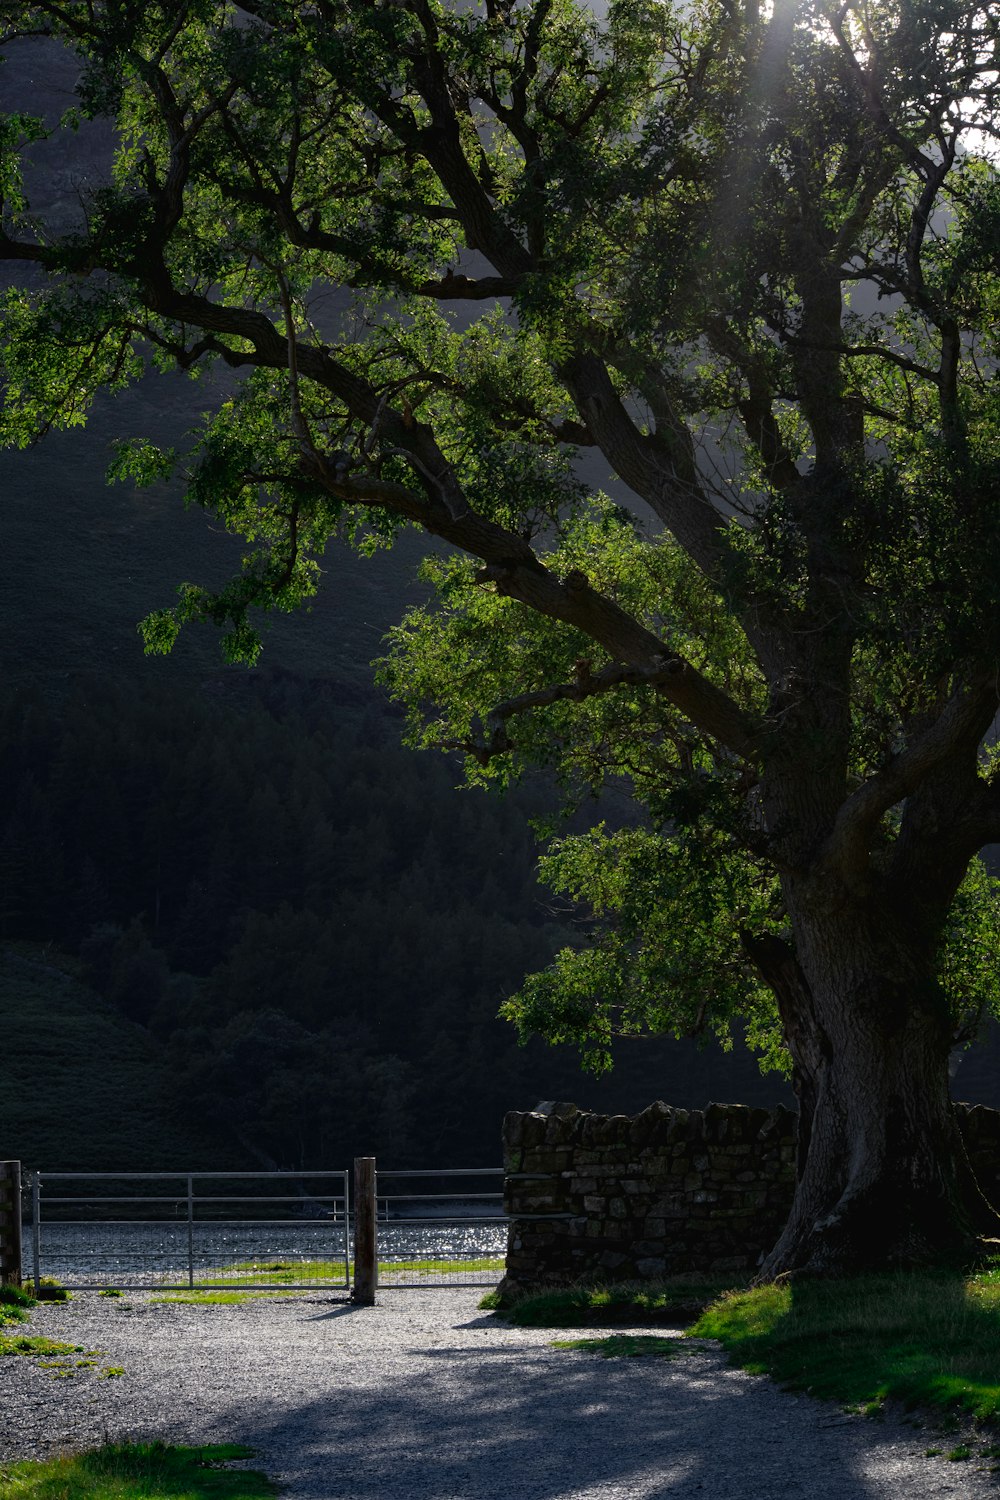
(247, 1272)
(926, 1339)
(137, 1471)
(220, 1298)
(672, 1302)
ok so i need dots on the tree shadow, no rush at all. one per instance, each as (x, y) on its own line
(484, 1420)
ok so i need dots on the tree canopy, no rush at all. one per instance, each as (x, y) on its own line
(744, 256)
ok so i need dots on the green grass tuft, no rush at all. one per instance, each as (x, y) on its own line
(35, 1344)
(15, 1296)
(14, 1305)
(50, 1290)
(926, 1339)
(138, 1471)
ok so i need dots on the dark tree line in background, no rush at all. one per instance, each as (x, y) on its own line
(310, 917)
(274, 894)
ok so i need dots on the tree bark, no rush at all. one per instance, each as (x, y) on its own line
(885, 1180)
(777, 966)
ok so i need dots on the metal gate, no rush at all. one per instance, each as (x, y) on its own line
(206, 1231)
(440, 1227)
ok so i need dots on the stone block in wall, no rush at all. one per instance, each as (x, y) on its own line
(538, 1203)
(724, 1163)
(533, 1129)
(724, 1263)
(614, 1130)
(550, 1161)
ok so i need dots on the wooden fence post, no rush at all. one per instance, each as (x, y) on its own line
(365, 1237)
(10, 1222)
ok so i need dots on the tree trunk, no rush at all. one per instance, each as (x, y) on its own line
(885, 1181)
(777, 966)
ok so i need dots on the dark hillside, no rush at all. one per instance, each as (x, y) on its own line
(82, 562)
(311, 919)
(84, 1087)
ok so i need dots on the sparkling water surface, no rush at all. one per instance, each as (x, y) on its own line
(127, 1254)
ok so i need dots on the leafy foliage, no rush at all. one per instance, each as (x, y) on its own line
(745, 254)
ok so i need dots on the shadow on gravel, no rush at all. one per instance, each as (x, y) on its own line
(532, 1423)
(340, 1310)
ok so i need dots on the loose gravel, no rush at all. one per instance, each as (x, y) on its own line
(423, 1397)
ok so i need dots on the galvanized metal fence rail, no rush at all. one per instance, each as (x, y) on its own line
(191, 1230)
(266, 1231)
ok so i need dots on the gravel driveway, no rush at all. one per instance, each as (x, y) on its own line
(425, 1398)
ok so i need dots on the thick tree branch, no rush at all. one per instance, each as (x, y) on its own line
(757, 407)
(963, 721)
(494, 739)
(651, 466)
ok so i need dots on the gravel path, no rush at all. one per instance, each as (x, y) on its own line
(425, 1398)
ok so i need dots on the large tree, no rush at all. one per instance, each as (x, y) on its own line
(745, 255)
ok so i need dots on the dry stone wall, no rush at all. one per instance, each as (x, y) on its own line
(670, 1191)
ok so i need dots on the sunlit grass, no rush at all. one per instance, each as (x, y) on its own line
(14, 1343)
(333, 1270)
(249, 1280)
(441, 1267)
(14, 1304)
(222, 1298)
(926, 1339)
(137, 1471)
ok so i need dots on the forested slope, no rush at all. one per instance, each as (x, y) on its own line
(312, 924)
(82, 1085)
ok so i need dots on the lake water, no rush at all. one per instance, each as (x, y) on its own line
(132, 1254)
